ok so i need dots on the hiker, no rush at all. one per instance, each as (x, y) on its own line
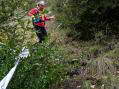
(39, 18)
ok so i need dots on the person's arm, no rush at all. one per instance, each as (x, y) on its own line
(46, 18)
(32, 11)
(52, 17)
(29, 13)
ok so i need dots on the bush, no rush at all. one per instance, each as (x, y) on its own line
(41, 70)
(88, 17)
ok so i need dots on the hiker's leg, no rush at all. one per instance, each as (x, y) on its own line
(41, 33)
(44, 32)
(38, 33)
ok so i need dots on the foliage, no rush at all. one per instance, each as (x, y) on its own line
(42, 68)
(7, 59)
(88, 17)
(10, 39)
(11, 14)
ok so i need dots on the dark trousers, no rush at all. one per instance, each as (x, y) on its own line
(41, 33)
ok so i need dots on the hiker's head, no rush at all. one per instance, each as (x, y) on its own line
(41, 5)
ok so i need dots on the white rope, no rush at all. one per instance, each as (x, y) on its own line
(5, 81)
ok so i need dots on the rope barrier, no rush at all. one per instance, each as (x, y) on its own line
(5, 81)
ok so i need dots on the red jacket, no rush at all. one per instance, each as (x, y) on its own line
(43, 17)
(33, 11)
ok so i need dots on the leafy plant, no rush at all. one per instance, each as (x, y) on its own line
(85, 18)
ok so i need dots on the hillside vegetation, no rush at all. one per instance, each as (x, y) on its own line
(81, 51)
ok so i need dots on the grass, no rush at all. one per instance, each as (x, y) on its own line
(101, 60)
(96, 63)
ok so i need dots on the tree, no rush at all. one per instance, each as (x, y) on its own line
(87, 17)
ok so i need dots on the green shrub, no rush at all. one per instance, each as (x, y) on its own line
(41, 70)
(87, 17)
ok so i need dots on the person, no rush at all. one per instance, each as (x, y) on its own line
(39, 17)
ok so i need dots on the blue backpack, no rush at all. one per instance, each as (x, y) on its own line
(36, 20)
